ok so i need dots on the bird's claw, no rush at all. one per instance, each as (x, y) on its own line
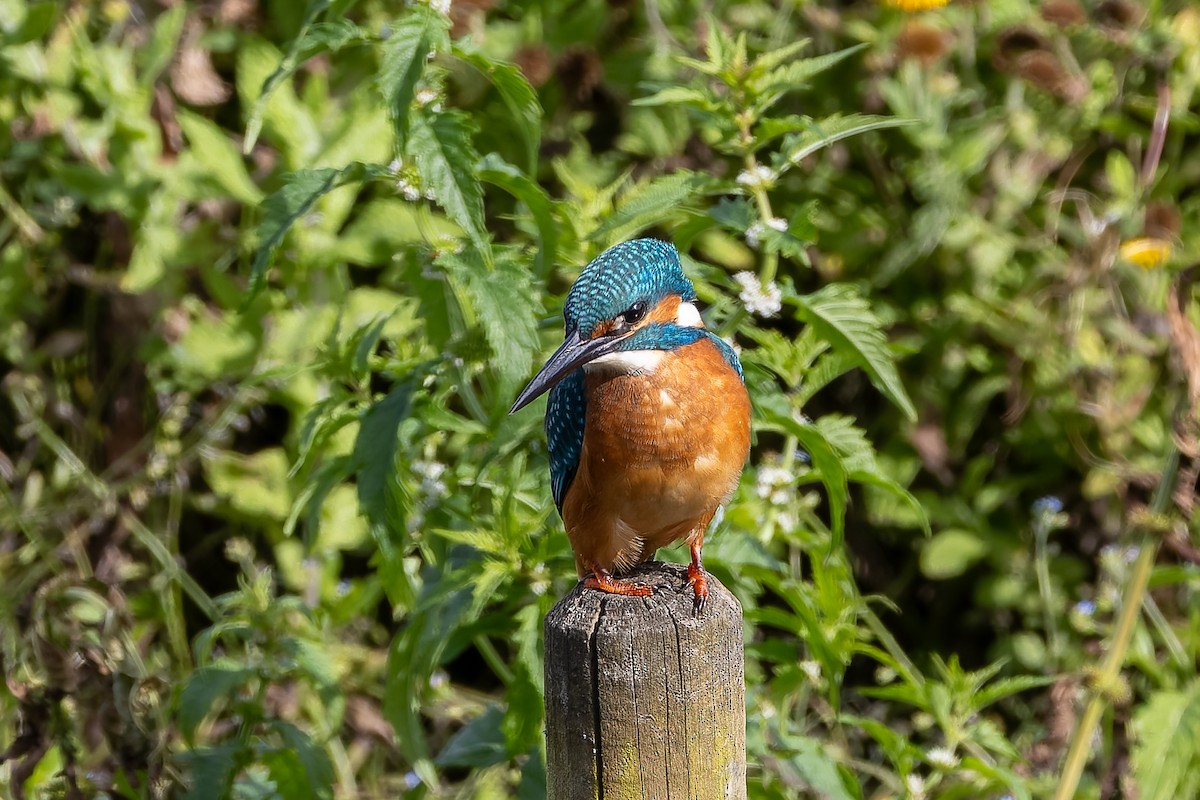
(607, 583)
(699, 583)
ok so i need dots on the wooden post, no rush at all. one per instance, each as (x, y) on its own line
(643, 700)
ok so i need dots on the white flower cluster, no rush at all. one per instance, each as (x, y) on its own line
(432, 486)
(760, 176)
(942, 757)
(428, 97)
(406, 182)
(754, 232)
(772, 482)
(766, 301)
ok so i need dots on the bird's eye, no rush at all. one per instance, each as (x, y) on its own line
(634, 313)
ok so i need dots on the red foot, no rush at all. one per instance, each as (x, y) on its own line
(605, 582)
(699, 583)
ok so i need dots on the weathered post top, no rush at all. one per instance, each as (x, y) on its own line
(644, 700)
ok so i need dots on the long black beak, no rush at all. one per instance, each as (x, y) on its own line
(572, 354)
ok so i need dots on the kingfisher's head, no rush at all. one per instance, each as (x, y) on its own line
(628, 305)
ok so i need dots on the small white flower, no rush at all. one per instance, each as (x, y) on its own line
(754, 234)
(430, 472)
(787, 520)
(395, 165)
(440, 6)
(412, 780)
(758, 176)
(942, 757)
(765, 301)
(769, 478)
(778, 223)
(811, 670)
(426, 96)
(914, 784)
(411, 193)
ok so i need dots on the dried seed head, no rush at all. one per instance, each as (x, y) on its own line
(923, 42)
(1063, 13)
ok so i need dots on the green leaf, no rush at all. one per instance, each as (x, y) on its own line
(825, 459)
(773, 58)
(517, 94)
(446, 159)
(292, 201)
(479, 743)
(318, 771)
(794, 75)
(501, 299)
(204, 688)
(652, 202)
(405, 53)
(736, 214)
(1005, 687)
(212, 769)
(39, 19)
(1166, 758)
(214, 156)
(680, 95)
(286, 67)
(495, 170)
(950, 553)
(825, 132)
(815, 768)
(846, 321)
(374, 457)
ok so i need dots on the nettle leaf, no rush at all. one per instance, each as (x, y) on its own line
(846, 321)
(517, 94)
(212, 768)
(318, 770)
(822, 133)
(495, 170)
(214, 156)
(826, 460)
(858, 457)
(287, 66)
(1166, 759)
(479, 743)
(374, 457)
(156, 53)
(441, 146)
(292, 201)
(204, 688)
(405, 53)
(700, 98)
(794, 75)
(652, 202)
(502, 301)
(737, 214)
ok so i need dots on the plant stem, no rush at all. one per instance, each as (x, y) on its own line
(1110, 670)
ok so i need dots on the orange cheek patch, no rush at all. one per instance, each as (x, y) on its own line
(666, 311)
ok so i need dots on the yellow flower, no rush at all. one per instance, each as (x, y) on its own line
(915, 5)
(1147, 252)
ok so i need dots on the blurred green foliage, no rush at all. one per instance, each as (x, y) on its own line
(271, 274)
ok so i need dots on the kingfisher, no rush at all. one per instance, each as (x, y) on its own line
(648, 419)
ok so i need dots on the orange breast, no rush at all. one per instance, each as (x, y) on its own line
(661, 452)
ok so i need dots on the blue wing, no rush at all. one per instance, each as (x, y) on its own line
(565, 413)
(729, 354)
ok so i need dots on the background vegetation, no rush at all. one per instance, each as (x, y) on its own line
(271, 274)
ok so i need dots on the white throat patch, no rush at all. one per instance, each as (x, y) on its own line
(626, 362)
